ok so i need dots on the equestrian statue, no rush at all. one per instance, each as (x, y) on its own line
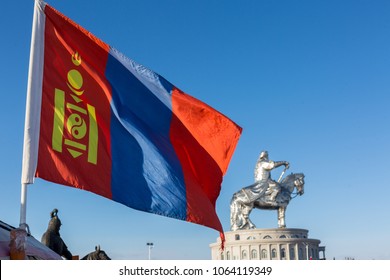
(52, 238)
(96, 255)
(265, 193)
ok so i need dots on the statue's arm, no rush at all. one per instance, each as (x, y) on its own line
(274, 164)
(269, 165)
(280, 163)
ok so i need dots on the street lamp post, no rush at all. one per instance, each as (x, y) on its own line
(150, 245)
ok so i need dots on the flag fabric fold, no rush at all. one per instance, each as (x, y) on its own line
(98, 121)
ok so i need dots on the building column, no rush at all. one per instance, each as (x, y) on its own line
(288, 251)
(269, 252)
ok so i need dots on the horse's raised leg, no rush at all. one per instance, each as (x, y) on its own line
(281, 217)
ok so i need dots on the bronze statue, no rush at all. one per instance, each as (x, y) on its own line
(265, 193)
(52, 239)
(97, 255)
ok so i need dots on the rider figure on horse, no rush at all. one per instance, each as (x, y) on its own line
(263, 175)
(52, 238)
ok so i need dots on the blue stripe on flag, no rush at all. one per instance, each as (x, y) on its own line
(146, 173)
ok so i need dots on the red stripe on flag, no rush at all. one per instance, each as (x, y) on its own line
(74, 145)
(204, 141)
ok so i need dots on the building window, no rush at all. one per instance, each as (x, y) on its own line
(283, 254)
(237, 237)
(282, 236)
(264, 254)
(221, 256)
(254, 254)
(267, 237)
(228, 255)
(292, 253)
(274, 254)
(244, 255)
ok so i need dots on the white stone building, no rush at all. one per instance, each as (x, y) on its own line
(268, 244)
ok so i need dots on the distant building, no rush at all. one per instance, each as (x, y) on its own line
(268, 244)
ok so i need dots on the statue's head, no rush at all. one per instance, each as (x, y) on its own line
(55, 222)
(264, 155)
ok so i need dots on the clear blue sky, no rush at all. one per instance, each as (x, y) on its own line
(309, 81)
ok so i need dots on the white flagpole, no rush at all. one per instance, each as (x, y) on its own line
(23, 207)
(33, 107)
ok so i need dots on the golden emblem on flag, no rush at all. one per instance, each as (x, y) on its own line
(75, 117)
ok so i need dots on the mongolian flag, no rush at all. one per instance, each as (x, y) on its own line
(98, 121)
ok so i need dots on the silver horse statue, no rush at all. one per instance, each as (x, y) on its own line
(246, 199)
